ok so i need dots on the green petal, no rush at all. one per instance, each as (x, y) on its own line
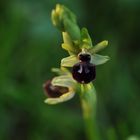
(99, 59)
(99, 47)
(64, 81)
(65, 97)
(69, 61)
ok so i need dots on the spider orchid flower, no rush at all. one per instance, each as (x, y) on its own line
(84, 46)
(61, 88)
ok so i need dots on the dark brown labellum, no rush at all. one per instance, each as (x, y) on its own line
(54, 91)
(84, 72)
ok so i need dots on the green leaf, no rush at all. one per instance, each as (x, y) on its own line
(97, 59)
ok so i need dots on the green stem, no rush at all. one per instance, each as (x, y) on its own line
(88, 103)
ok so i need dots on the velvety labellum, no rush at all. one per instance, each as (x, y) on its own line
(54, 91)
(84, 72)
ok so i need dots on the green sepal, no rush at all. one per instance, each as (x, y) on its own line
(69, 61)
(97, 59)
(63, 81)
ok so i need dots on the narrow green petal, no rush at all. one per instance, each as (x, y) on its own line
(69, 61)
(64, 81)
(99, 59)
(65, 97)
(99, 47)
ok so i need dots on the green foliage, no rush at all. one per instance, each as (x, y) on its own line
(29, 47)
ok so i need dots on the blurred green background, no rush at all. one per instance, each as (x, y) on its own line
(30, 47)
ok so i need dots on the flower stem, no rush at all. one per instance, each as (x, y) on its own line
(88, 103)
